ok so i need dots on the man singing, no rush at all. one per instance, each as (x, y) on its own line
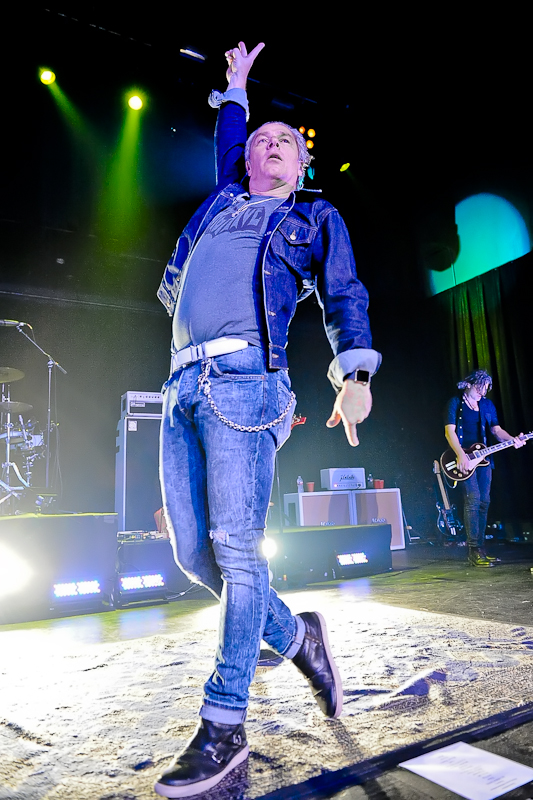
(252, 250)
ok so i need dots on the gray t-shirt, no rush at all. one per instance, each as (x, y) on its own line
(221, 286)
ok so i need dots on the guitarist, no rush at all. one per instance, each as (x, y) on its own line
(468, 417)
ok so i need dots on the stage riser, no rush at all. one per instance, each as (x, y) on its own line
(83, 547)
(60, 548)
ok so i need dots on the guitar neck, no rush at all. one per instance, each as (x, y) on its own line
(477, 454)
(443, 492)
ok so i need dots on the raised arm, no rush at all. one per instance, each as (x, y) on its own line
(230, 133)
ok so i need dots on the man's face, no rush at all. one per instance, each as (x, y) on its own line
(273, 161)
(478, 390)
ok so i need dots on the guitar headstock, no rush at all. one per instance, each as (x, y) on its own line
(297, 419)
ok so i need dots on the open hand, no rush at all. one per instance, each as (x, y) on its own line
(352, 406)
(240, 63)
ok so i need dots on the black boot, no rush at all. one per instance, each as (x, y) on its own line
(477, 559)
(495, 560)
(315, 661)
(214, 750)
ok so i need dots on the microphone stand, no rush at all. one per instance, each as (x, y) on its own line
(51, 364)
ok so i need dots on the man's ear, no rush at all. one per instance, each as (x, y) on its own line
(247, 165)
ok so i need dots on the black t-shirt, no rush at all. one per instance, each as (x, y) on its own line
(471, 426)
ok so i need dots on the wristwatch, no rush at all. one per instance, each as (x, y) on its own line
(361, 376)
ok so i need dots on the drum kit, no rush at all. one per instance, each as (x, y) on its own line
(23, 443)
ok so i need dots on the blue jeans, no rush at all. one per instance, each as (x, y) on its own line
(216, 484)
(476, 492)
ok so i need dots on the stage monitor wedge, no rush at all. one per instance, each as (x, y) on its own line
(313, 554)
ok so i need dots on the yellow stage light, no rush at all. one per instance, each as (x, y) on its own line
(310, 144)
(301, 129)
(135, 102)
(345, 167)
(47, 76)
(311, 133)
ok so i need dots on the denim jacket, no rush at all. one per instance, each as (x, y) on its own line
(305, 248)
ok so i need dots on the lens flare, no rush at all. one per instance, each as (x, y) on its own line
(270, 548)
(47, 76)
(15, 573)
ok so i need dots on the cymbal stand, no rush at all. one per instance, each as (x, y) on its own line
(29, 454)
(51, 364)
(8, 465)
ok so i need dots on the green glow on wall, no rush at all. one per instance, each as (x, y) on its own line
(491, 233)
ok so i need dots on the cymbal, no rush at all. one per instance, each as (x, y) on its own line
(9, 374)
(13, 407)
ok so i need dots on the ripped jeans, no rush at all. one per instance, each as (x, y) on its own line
(216, 484)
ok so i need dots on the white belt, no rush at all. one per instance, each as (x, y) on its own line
(198, 352)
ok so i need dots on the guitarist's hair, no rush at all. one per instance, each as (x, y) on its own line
(477, 378)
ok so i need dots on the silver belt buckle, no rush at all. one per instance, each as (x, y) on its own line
(199, 351)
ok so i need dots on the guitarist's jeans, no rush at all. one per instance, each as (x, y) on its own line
(476, 490)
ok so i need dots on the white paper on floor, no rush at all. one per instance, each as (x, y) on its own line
(470, 772)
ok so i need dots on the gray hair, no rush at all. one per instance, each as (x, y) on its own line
(304, 156)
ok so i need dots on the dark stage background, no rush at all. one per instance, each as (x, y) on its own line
(425, 120)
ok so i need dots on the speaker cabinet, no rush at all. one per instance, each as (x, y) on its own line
(320, 509)
(137, 489)
(378, 506)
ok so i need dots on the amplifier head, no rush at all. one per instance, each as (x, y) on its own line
(343, 478)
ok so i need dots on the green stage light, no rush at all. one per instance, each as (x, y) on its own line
(135, 102)
(47, 76)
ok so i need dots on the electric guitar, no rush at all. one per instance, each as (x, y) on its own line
(476, 453)
(448, 520)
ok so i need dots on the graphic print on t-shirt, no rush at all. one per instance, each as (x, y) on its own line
(225, 256)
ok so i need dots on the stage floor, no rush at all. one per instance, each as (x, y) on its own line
(464, 635)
